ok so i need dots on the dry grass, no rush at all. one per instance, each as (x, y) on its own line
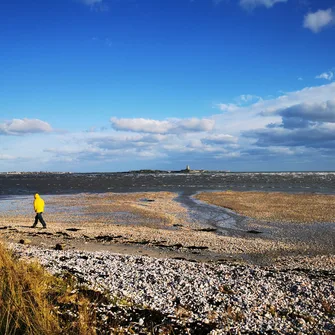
(24, 307)
(33, 302)
(280, 207)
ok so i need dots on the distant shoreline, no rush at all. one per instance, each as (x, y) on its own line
(149, 171)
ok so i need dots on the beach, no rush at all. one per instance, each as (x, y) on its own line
(200, 297)
(157, 223)
(206, 263)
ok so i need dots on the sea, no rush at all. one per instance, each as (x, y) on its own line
(183, 183)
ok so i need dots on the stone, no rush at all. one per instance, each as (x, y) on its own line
(59, 246)
(25, 241)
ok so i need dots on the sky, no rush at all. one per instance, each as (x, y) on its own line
(119, 85)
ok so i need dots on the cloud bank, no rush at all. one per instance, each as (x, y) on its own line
(295, 128)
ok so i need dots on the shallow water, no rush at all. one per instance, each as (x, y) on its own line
(209, 215)
(23, 205)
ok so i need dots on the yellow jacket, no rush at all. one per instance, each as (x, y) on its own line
(38, 204)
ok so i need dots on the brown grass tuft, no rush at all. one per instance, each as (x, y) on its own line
(23, 304)
(34, 302)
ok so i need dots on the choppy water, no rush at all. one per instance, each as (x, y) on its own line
(24, 184)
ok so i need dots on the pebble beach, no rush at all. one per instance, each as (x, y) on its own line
(205, 298)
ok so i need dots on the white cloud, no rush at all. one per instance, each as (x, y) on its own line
(24, 126)
(170, 126)
(326, 75)
(319, 20)
(251, 4)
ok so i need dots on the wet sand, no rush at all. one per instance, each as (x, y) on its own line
(157, 224)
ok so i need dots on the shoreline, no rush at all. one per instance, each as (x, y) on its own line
(161, 224)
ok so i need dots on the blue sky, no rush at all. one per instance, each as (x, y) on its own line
(115, 85)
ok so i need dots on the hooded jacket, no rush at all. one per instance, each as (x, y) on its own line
(38, 204)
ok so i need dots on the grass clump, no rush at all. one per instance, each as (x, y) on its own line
(34, 302)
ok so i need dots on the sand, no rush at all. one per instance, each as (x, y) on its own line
(275, 206)
(156, 224)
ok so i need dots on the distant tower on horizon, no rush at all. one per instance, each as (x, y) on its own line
(188, 168)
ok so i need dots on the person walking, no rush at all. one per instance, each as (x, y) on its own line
(39, 209)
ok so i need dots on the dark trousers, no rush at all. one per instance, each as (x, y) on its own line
(40, 218)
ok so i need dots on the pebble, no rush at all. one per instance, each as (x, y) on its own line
(235, 298)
